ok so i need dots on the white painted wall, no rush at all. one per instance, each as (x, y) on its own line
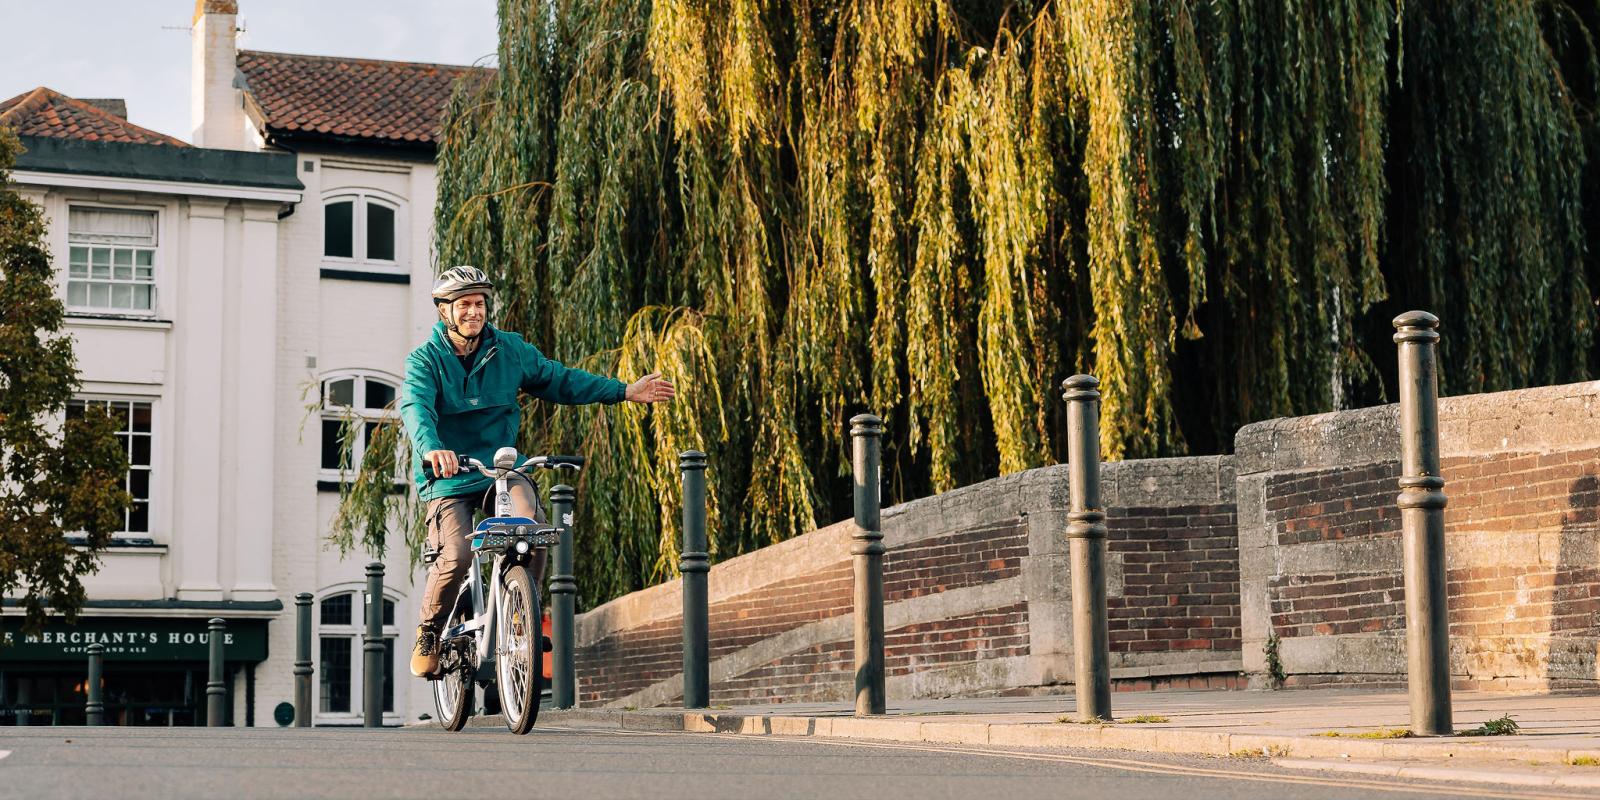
(206, 408)
(245, 328)
(329, 326)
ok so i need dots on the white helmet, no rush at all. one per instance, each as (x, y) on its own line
(459, 281)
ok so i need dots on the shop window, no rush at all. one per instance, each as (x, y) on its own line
(352, 404)
(111, 260)
(134, 694)
(361, 230)
(135, 431)
(341, 628)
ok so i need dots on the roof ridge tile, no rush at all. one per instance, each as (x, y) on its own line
(357, 60)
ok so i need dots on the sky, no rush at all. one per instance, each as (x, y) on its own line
(138, 50)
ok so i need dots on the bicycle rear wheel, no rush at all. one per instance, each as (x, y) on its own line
(519, 671)
(453, 691)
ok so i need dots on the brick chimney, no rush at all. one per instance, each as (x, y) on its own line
(216, 105)
(116, 106)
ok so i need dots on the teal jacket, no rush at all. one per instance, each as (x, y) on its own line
(476, 413)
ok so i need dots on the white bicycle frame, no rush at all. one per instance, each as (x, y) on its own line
(483, 614)
(482, 622)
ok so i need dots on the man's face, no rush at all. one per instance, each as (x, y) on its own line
(470, 312)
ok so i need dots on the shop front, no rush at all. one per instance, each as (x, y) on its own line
(155, 669)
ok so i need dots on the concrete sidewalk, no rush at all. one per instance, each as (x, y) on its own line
(1556, 730)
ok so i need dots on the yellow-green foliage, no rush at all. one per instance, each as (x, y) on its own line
(1381, 733)
(938, 209)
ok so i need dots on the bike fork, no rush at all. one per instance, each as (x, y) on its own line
(489, 609)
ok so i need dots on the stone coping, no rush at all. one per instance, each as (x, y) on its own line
(1540, 419)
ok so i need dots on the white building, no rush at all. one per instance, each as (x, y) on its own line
(234, 299)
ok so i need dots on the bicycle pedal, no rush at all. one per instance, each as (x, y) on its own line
(546, 644)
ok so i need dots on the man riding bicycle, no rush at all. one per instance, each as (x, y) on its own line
(461, 397)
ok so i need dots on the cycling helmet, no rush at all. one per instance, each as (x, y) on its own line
(459, 281)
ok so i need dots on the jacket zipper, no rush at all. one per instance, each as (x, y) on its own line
(486, 356)
(476, 368)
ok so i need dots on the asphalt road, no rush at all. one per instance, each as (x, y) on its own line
(598, 763)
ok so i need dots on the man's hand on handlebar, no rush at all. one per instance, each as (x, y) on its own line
(438, 464)
(444, 462)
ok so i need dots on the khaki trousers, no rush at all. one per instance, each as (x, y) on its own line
(450, 531)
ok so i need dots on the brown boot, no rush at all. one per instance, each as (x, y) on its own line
(425, 656)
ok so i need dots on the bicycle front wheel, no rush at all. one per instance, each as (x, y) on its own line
(519, 665)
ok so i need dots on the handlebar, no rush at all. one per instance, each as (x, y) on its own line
(470, 464)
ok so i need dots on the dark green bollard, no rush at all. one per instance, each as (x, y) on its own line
(1086, 535)
(867, 550)
(95, 708)
(563, 604)
(216, 690)
(302, 660)
(693, 563)
(372, 648)
(1422, 502)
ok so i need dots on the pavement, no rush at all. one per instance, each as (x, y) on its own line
(1557, 743)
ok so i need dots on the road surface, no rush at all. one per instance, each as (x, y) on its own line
(602, 763)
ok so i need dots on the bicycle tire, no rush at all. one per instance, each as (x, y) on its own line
(453, 692)
(519, 672)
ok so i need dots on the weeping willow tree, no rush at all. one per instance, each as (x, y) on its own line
(938, 209)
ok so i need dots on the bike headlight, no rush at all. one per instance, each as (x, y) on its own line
(522, 547)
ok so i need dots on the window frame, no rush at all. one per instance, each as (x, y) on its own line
(332, 413)
(359, 259)
(356, 633)
(157, 265)
(152, 505)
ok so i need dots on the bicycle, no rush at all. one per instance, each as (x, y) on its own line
(495, 641)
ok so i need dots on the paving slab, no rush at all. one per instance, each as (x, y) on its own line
(1505, 773)
(1301, 723)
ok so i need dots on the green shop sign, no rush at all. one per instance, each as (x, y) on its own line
(131, 639)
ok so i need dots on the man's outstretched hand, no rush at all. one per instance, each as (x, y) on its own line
(651, 388)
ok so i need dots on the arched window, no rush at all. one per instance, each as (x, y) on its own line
(361, 229)
(352, 402)
(341, 626)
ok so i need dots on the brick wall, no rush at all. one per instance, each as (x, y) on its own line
(630, 660)
(1321, 541)
(1296, 535)
(976, 599)
(1326, 505)
(633, 659)
(1180, 579)
(986, 554)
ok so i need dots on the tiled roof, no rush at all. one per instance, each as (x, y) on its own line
(383, 102)
(49, 113)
